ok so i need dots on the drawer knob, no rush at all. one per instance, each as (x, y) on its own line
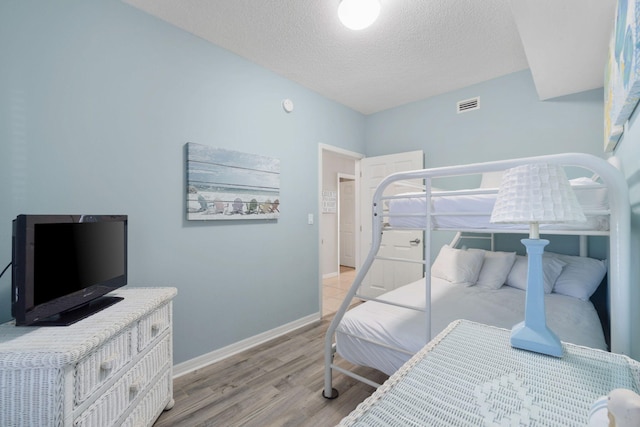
(109, 364)
(135, 387)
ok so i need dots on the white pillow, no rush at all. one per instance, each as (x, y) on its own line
(495, 269)
(580, 277)
(491, 179)
(591, 198)
(551, 269)
(457, 265)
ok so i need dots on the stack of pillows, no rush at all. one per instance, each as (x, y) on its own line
(574, 276)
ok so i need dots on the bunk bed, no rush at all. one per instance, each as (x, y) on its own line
(387, 330)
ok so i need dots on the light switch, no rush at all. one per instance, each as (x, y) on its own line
(310, 219)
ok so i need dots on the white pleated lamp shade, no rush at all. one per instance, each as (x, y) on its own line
(536, 193)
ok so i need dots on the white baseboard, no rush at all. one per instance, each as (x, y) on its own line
(235, 348)
(329, 275)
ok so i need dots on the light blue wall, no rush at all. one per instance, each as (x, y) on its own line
(97, 100)
(511, 122)
(628, 150)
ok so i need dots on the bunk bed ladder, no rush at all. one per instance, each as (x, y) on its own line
(378, 226)
(330, 348)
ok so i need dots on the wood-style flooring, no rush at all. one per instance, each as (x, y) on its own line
(278, 383)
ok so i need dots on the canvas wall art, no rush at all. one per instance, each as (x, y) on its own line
(231, 185)
(622, 88)
(612, 132)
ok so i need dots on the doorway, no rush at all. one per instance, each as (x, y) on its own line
(337, 166)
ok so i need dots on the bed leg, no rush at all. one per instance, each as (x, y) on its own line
(328, 372)
(334, 394)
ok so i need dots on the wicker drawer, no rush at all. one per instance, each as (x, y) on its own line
(152, 404)
(101, 365)
(114, 402)
(153, 325)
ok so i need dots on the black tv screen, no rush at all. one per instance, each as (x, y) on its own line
(63, 265)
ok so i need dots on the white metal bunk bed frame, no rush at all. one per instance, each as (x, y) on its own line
(618, 232)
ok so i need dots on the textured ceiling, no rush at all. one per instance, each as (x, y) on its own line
(566, 42)
(416, 48)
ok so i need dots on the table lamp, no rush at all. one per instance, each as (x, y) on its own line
(535, 194)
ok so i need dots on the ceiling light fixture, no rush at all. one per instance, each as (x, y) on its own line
(358, 14)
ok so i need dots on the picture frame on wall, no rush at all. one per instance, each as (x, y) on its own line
(231, 185)
(329, 201)
(612, 133)
(622, 73)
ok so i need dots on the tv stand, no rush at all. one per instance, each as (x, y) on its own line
(112, 369)
(69, 317)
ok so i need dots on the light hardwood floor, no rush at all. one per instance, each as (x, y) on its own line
(335, 288)
(278, 383)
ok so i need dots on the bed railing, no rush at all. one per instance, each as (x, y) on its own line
(619, 244)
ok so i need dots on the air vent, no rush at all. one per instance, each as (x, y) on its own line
(468, 105)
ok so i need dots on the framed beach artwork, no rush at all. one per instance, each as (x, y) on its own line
(622, 73)
(612, 132)
(231, 185)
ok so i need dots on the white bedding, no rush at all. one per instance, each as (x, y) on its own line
(573, 320)
(590, 198)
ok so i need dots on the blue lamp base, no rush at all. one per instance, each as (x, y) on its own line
(540, 340)
(533, 334)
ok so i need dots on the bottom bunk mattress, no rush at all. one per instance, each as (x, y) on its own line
(573, 320)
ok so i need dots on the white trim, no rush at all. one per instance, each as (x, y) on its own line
(240, 346)
(339, 150)
(330, 275)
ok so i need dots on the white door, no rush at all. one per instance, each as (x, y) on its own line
(387, 275)
(347, 223)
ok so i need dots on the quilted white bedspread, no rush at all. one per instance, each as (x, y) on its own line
(459, 207)
(571, 319)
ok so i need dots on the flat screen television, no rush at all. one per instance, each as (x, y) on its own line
(64, 265)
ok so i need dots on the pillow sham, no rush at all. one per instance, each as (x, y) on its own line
(495, 268)
(551, 269)
(580, 277)
(491, 179)
(457, 265)
(592, 198)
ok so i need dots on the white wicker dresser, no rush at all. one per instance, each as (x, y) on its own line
(469, 375)
(113, 368)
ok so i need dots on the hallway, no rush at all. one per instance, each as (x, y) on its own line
(335, 288)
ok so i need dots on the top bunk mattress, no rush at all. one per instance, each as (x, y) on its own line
(465, 211)
(573, 320)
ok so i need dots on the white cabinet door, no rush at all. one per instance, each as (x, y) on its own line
(387, 275)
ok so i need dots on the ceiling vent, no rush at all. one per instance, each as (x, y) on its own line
(468, 105)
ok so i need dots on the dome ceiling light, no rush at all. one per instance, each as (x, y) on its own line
(358, 14)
